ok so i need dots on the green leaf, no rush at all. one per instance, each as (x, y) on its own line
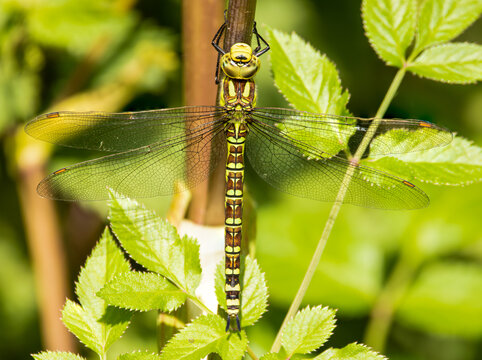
(139, 355)
(445, 300)
(56, 355)
(206, 335)
(271, 356)
(105, 262)
(309, 82)
(390, 27)
(459, 63)
(254, 294)
(308, 330)
(350, 352)
(443, 20)
(143, 291)
(219, 281)
(307, 79)
(155, 244)
(83, 325)
(459, 163)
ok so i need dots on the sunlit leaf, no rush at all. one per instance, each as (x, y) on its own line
(143, 291)
(83, 325)
(308, 330)
(271, 356)
(445, 299)
(254, 295)
(459, 163)
(309, 82)
(254, 292)
(104, 264)
(350, 352)
(56, 355)
(155, 244)
(105, 323)
(443, 20)
(390, 27)
(139, 355)
(206, 335)
(459, 63)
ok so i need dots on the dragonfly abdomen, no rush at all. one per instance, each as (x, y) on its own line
(233, 211)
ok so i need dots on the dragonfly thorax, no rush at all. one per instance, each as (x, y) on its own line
(240, 63)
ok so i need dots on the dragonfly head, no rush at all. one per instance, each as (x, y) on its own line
(240, 63)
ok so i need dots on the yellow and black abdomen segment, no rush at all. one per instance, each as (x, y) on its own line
(233, 210)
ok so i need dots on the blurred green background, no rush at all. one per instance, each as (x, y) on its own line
(126, 55)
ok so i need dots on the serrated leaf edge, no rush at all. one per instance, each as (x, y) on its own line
(143, 310)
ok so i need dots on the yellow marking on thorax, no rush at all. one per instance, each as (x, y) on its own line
(233, 250)
(235, 221)
(247, 90)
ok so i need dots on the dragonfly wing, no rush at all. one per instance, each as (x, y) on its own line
(119, 131)
(158, 169)
(332, 133)
(296, 168)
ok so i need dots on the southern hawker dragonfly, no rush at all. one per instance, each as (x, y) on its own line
(300, 153)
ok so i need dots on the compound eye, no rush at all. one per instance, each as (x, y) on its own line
(241, 52)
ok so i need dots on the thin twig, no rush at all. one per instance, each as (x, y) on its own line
(315, 260)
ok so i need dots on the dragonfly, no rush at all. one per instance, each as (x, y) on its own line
(300, 153)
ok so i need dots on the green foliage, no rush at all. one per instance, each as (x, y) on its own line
(459, 163)
(308, 330)
(95, 323)
(390, 27)
(143, 292)
(254, 294)
(272, 356)
(445, 299)
(139, 355)
(309, 81)
(155, 244)
(458, 63)
(350, 352)
(21, 61)
(442, 20)
(205, 335)
(313, 87)
(77, 24)
(57, 355)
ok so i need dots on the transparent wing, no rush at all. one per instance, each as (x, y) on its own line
(284, 163)
(119, 131)
(152, 170)
(331, 134)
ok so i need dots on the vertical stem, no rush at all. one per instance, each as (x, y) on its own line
(240, 19)
(336, 208)
(201, 19)
(48, 257)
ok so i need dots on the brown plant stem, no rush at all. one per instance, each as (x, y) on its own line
(48, 259)
(200, 20)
